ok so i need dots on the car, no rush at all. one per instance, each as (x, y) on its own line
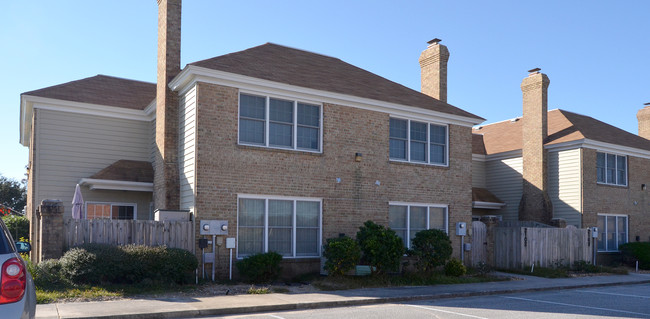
(17, 291)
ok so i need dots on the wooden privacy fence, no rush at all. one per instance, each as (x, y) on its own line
(517, 247)
(175, 234)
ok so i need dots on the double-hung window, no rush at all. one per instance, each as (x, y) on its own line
(612, 232)
(96, 210)
(408, 219)
(279, 123)
(288, 226)
(418, 142)
(611, 169)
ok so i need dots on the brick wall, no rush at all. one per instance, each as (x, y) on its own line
(225, 169)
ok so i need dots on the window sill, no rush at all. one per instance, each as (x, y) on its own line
(279, 150)
(394, 161)
(612, 185)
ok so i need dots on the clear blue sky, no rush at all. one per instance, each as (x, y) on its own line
(596, 53)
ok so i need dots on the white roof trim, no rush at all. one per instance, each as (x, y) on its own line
(478, 157)
(487, 205)
(107, 184)
(192, 74)
(28, 103)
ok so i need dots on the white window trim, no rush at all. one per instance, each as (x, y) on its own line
(134, 205)
(627, 169)
(428, 152)
(267, 121)
(408, 213)
(266, 198)
(603, 231)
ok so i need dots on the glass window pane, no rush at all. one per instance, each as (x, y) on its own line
(611, 168)
(307, 214)
(397, 217)
(397, 149)
(308, 115)
(308, 137)
(418, 151)
(280, 134)
(122, 212)
(250, 240)
(281, 111)
(418, 131)
(251, 212)
(252, 106)
(398, 128)
(251, 131)
(621, 170)
(600, 167)
(280, 240)
(438, 155)
(438, 218)
(280, 213)
(307, 242)
(601, 233)
(611, 233)
(438, 134)
(418, 218)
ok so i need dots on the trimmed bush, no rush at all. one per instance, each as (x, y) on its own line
(381, 247)
(631, 252)
(432, 248)
(455, 268)
(260, 268)
(48, 275)
(18, 226)
(342, 254)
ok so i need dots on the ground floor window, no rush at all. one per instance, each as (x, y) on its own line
(288, 226)
(408, 219)
(612, 232)
(110, 211)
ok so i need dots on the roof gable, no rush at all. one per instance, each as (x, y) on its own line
(315, 71)
(102, 90)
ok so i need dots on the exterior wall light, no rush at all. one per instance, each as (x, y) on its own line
(357, 157)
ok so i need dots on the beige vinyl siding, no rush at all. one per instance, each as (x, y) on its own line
(564, 185)
(73, 146)
(478, 174)
(504, 179)
(152, 141)
(186, 145)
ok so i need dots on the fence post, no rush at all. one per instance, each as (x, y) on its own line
(50, 214)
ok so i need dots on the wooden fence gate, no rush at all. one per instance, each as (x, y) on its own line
(479, 243)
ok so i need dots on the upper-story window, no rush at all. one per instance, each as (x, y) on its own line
(418, 142)
(611, 169)
(278, 123)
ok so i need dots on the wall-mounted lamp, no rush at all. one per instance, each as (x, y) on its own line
(357, 157)
(643, 187)
(338, 180)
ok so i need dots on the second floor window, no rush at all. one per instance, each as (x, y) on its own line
(418, 142)
(611, 169)
(278, 123)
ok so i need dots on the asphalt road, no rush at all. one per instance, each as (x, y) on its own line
(631, 301)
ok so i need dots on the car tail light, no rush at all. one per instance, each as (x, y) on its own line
(12, 286)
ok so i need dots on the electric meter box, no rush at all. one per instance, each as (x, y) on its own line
(594, 232)
(461, 229)
(214, 227)
(230, 243)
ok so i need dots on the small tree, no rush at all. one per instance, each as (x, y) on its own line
(12, 194)
(342, 255)
(432, 248)
(381, 247)
(18, 226)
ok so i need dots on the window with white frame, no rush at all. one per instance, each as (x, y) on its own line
(96, 210)
(408, 219)
(288, 226)
(418, 142)
(278, 123)
(612, 232)
(611, 169)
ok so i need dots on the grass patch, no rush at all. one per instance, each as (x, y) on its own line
(358, 282)
(89, 292)
(563, 271)
(258, 290)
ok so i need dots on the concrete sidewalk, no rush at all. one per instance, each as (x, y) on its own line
(222, 305)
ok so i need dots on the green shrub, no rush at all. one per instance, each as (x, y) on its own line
(260, 268)
(79, 265)
(381, 247)
(342, 255)
(455, 268)
(432, 248)
(631, 252)
(18, 226)
(48, 274)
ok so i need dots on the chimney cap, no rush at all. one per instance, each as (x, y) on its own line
(434, 41)
(646, 104)
(534, 71)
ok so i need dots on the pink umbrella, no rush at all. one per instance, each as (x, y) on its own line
(77, 203)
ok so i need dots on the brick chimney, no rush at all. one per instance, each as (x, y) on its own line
(535, 204)
(644, 121)
(166, 176)
(433, 63)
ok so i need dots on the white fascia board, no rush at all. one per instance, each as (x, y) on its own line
(192, 74)
(600, 146)
(487, 205)
(503, 155)
(479, 157)
(29, 103)
(106, 184)
(150, 110)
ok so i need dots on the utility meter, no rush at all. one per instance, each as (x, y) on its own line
(594, 232)
(214, 227)
(461, 229)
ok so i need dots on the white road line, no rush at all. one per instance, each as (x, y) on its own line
(445, 311)
(613, 294)
(276, 317)
(578, 306)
